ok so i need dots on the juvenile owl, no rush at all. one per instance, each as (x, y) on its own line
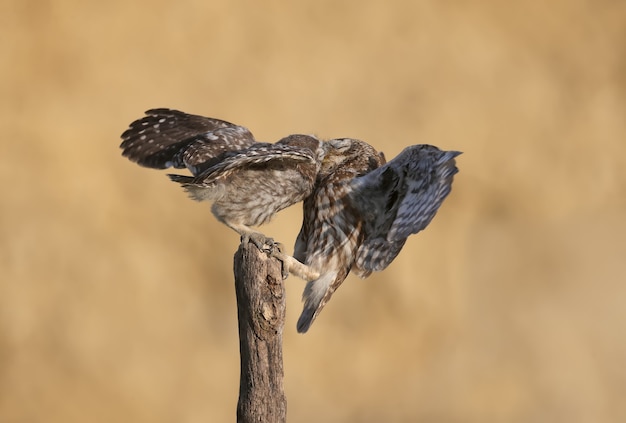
(247, 181)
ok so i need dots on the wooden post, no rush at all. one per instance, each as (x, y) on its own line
(261, 312)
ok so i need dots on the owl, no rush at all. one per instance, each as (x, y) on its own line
(361, 212)
(358, 209)
(246, 181)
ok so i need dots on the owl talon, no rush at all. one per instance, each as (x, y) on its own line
(269, 246)
(277, 252)
(262, 242)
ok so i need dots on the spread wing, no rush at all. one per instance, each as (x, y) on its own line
(269, 156)
(171, 138)
(400, 199)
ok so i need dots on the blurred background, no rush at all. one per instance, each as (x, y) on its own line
(116, 292)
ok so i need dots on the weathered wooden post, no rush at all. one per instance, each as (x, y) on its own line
(261, 313)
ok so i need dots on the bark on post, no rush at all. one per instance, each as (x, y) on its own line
(261, 312)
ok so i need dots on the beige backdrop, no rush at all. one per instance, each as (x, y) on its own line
(116, 292)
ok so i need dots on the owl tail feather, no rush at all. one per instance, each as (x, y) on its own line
(195, 189)
(316, 295)
(181, 179)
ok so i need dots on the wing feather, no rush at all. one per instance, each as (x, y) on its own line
(171, 138)
(400, 199)
(277, 156)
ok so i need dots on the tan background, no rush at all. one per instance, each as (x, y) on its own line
(116, 292)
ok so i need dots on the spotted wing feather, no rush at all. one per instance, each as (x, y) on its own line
(267, 156)
(171, 138)
(400, 199)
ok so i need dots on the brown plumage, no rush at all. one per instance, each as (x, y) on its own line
(361, 212)
(358, 211)
(248, 182)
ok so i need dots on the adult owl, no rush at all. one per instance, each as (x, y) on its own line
(247, 181)
(361, 212)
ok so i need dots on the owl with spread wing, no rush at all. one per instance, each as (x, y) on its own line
(362, 211)
(358, 209)
(246, 181)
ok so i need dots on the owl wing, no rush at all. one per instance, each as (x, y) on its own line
(262, 155)
(400, 199)
(171, 138)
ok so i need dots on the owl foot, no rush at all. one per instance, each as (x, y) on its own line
(291, 265)
(262, 242)
(277, 252)
(269, 246)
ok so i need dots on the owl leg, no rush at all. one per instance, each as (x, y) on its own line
(291, 265)
(250, 235)
(258, 239)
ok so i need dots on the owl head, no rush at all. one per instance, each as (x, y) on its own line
(350, 155)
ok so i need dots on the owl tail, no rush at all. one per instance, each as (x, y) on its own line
(195, 189)
(181, 179)
(316, 295)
